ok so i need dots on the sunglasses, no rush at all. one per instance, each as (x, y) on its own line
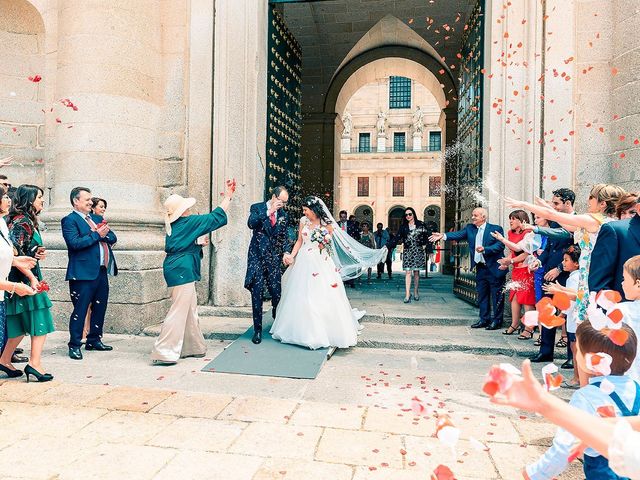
(408, 214)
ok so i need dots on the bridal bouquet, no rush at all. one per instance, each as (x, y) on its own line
(323, 238)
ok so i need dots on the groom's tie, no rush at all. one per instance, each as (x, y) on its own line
(272, 217)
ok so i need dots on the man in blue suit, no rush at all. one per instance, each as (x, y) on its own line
(485, 251)
(91, 260)
(269, 223)
(617, 243)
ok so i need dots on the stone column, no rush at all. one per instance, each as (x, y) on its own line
(109, 66)
(511, 156)
(625, 157)
(239, 135)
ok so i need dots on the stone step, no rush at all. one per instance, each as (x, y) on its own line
(400, 315)
(433, 338)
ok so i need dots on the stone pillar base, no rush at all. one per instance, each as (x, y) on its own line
(382, 143)
(138, 295)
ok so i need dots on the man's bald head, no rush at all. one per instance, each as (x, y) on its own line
(479, 216)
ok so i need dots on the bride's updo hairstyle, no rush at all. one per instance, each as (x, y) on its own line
(313, 204)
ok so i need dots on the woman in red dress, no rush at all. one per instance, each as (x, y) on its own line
(522, 291)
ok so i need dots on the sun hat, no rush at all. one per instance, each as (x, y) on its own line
(175, 206)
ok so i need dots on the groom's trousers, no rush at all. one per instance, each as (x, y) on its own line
(272, 276)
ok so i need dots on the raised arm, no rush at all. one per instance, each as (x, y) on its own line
(587, 222)
(508, 243)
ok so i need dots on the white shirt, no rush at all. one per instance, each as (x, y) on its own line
(6, 254)
(624, 451)
(477, 256)
(631, 312)
(572, 282)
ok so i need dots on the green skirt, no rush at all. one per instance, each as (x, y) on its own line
(29, 315)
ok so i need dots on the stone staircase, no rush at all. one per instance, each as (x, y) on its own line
(439, 322)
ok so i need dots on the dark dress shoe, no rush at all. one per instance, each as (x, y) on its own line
(541, 358)
(101, 347)
(18, 350)
(15, 358)
(257, 337)
(494, 326)
(75, 353)
(11, 373)
(568, 365)
(479, 324)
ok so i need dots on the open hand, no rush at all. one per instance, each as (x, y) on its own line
(526, 393)
(552, 287)
(23, 290)
(552, 274)
(41, 253)
(436, 237)
(527, 227)
(230, 188)
(24, 262)
(542, 202)
(498, 236)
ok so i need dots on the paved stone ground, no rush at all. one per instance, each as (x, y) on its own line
(114, 416)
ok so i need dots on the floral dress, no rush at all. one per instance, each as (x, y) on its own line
(414, 257)
(29, 315)
(587, 242)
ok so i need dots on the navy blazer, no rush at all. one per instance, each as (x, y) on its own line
(83, 247)
(493, 249)
(267, 242)
(617, 242)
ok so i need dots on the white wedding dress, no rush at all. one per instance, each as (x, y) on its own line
(314, 310)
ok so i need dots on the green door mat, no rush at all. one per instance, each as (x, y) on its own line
(270, 358)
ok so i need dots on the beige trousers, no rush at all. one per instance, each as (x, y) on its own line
(180, 335)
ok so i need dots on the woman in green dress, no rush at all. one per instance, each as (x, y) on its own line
(180, 336)
(29, 315)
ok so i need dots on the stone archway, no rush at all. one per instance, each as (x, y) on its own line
(420, 65)
(431, 216)
(364, 213)
(395, 217)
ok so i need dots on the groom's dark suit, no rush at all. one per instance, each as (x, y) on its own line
(265, 254)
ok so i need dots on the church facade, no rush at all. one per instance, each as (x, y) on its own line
(140, 99)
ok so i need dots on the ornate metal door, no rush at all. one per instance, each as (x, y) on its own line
(469, 165)
(284, 108)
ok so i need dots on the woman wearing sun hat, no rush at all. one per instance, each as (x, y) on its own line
(181, 336)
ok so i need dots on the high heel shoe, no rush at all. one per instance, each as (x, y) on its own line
(407, 300)
(11, 373)
(41, 377)
(416, 298)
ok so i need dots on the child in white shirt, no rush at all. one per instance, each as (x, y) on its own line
(631, 309)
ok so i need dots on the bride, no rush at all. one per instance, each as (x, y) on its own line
(314, 310)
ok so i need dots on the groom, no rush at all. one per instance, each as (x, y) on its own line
(269, 224)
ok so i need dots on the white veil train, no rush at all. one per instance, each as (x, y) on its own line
(350, 256)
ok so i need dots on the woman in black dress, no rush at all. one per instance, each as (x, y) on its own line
(414, 235)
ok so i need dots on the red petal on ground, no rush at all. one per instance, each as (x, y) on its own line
(442, 473)
(335, 285)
